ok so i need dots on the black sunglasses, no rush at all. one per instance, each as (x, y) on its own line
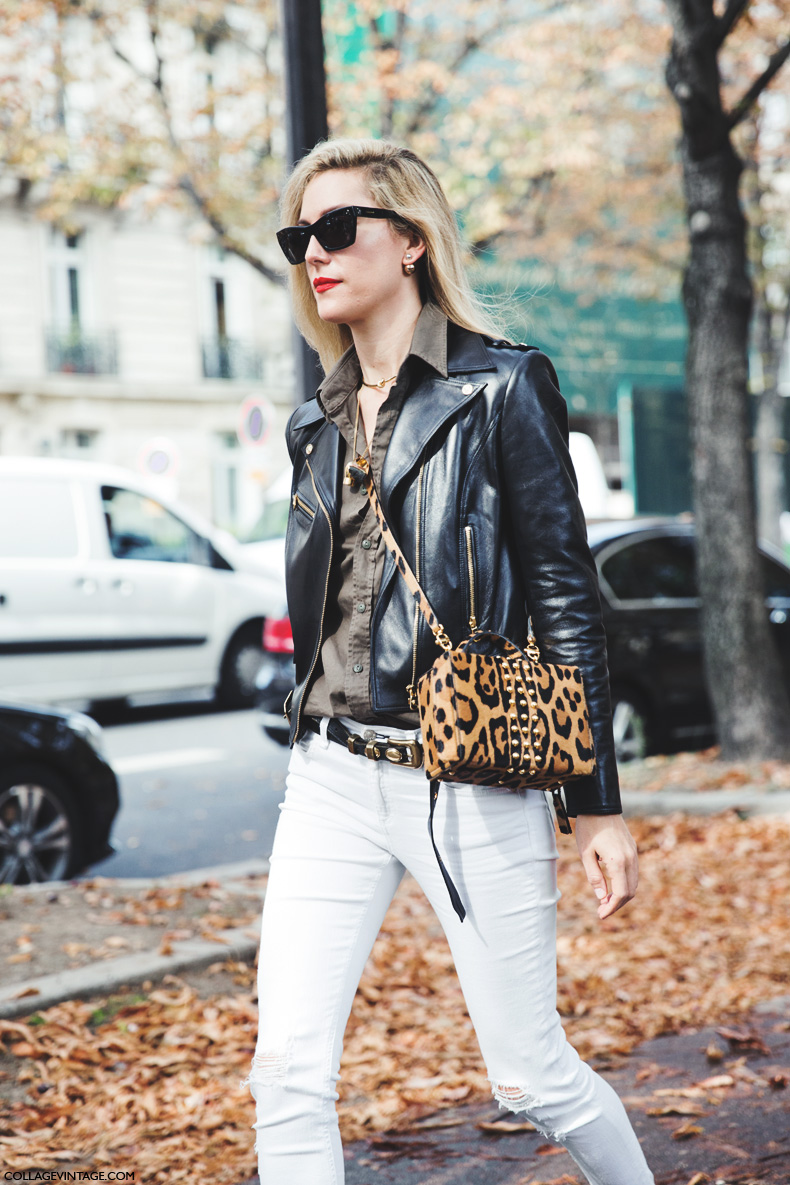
(336, 230)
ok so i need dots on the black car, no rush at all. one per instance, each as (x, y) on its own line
(651, 615)
(650, 607)
(58, 794)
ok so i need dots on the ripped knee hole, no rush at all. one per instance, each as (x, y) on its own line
(269, 1067)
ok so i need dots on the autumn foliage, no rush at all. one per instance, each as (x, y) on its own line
(153, 1081)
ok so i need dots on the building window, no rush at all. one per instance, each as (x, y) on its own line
(226, 354)
(78, 440)
(73, 346)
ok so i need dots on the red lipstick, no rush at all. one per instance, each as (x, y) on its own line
(324, 283)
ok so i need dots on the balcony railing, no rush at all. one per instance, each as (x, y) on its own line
(70, 351)
(229, 358)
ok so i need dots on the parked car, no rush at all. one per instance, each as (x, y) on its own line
(651, 615)
(109, 590)
(275, 678)
(650, 608)
(58, 795)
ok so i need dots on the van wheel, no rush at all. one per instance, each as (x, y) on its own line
(240, 666)
(629, 724)
(40, 837)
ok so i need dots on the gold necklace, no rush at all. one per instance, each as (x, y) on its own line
(380, 384)
(359, 462)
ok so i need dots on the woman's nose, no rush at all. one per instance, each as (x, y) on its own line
(315, 253)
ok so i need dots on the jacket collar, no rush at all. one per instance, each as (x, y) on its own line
(451, 352)
(434, 401)
(429, 343)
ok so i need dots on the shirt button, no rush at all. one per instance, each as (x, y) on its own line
(366, 544)
(361, 606)
(357, 668)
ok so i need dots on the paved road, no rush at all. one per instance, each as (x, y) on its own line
(198, 788)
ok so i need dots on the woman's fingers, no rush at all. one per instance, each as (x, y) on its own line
(608, 854)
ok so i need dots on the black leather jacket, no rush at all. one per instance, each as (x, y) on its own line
(500, 522)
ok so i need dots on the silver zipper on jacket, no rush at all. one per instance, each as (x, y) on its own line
(326, 595)
(470, 561)
(411, 690)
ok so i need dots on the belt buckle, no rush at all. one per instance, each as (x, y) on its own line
(408, 753)
(397, 752)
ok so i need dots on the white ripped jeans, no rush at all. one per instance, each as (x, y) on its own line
(349, 828)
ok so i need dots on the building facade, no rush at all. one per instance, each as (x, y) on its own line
(135, 341)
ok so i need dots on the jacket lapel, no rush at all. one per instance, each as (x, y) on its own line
(434, 401)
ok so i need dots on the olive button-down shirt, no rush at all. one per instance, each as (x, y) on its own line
(341, 684)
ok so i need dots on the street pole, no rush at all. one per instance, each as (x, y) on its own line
(306, 118)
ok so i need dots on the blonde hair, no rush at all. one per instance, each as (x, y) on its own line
(398, 180)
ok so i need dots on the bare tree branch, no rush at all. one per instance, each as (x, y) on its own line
(471, 43)
(186, 183)
(729, 19)
(187, 186)
(744, 104)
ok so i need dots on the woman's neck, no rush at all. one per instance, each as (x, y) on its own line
(382, 341)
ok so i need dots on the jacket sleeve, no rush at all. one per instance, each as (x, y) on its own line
(557, 567)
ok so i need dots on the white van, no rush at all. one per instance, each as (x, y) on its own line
(108, 590)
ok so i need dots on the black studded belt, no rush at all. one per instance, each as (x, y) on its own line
(375, 748)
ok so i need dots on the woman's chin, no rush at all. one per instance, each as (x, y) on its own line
(333, 316)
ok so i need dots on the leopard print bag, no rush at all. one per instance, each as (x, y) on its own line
(492, 714)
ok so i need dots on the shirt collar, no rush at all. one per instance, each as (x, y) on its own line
(428, 343)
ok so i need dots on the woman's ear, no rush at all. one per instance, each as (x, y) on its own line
(416, 247)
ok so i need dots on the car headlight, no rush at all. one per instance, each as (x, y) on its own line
(90, 731)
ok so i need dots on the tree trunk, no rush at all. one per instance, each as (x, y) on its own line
(769, 431)
(750, 702)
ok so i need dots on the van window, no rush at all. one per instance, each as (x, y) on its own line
(37, 519)
(140, 528)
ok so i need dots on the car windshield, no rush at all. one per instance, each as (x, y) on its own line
(272, 523)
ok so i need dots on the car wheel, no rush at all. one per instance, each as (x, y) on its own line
(629, 724)
(242, 661)
(40, 838)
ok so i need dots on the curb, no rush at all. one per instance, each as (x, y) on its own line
(704, 802)
(192, 876)
(100, 979)
(20, 999)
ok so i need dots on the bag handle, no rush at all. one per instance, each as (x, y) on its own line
(360, 472)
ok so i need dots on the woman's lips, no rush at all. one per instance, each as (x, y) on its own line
(323, 283)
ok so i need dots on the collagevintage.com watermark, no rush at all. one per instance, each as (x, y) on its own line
(69, 1175)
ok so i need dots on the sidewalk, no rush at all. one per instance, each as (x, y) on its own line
(69, 914)
(704, 1117)
(698, 1121)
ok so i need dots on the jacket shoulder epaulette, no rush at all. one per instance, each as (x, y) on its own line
(501, 343)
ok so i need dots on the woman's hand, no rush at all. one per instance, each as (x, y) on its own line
(608, 853)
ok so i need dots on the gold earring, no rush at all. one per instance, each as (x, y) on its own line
(408, 268)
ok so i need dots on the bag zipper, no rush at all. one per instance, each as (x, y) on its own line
(411, 690)
(298, 504)
(470, 561)
(326, 594)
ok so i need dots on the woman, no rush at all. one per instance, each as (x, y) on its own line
(466, 437)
